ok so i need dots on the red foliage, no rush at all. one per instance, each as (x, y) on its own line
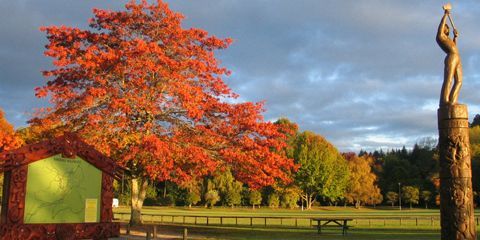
(8, 139)
(150, 94)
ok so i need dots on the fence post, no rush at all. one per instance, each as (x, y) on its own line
(400, 221)
(416, 221)
(161, 219)
(207, 221)
(195, 220)
(183, 219)
(369, 222)
(431, 220)
(296, 222)
(265, 219)
(147, 237)
(281, 221)
(221, 220)
(236, 220)
(251, 222)
(185, 234)
(311, 222)
(154, 231)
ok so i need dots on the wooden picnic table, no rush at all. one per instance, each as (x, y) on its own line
(333, 221)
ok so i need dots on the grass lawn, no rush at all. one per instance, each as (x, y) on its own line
(265, 211)
(196, 232)
(380, 223)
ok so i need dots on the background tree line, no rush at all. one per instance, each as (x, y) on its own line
(327, 177)
(324, 176)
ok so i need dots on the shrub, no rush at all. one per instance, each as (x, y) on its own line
(255, 198)
(273, 200)
(211, 198)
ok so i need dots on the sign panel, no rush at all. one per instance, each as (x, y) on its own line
(91, 209)
(62, 190)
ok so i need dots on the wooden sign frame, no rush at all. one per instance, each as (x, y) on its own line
(14, 165)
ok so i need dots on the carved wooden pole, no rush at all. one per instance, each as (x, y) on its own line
(456, 198)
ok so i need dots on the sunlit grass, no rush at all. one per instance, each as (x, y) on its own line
(368, 223)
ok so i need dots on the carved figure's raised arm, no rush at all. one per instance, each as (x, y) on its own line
(441, 37)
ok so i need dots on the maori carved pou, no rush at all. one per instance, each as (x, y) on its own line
(456, 198)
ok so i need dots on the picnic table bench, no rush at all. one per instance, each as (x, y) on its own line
(333, 222)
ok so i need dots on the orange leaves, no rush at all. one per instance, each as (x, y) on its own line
(41, 92)
(8, 139)
(150, 94)
(362, 181)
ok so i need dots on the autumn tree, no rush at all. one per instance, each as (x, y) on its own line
(362, 187)
(410, 195)
(375, 198)
(474, 133)
(273, 200)
(255, 198)
(150, 94)
(392, 198)
(192, 198)
(290, 197)
(322, 169)
(426, 197)
(9, 140)
(193, 192)
(211, 198)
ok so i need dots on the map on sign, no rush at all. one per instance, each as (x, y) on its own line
(62, 190)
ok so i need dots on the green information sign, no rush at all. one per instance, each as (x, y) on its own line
(62, 190)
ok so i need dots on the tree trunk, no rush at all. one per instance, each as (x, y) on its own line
(357, 204)
(312, 200)
(139, 190)
(165, 189)
(309, 199)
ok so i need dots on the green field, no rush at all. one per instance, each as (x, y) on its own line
(266, 223)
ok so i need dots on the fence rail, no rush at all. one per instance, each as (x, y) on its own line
(282, 221)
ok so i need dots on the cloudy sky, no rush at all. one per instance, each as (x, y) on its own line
(364, 74)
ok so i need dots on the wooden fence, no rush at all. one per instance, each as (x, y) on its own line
(282, 222)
